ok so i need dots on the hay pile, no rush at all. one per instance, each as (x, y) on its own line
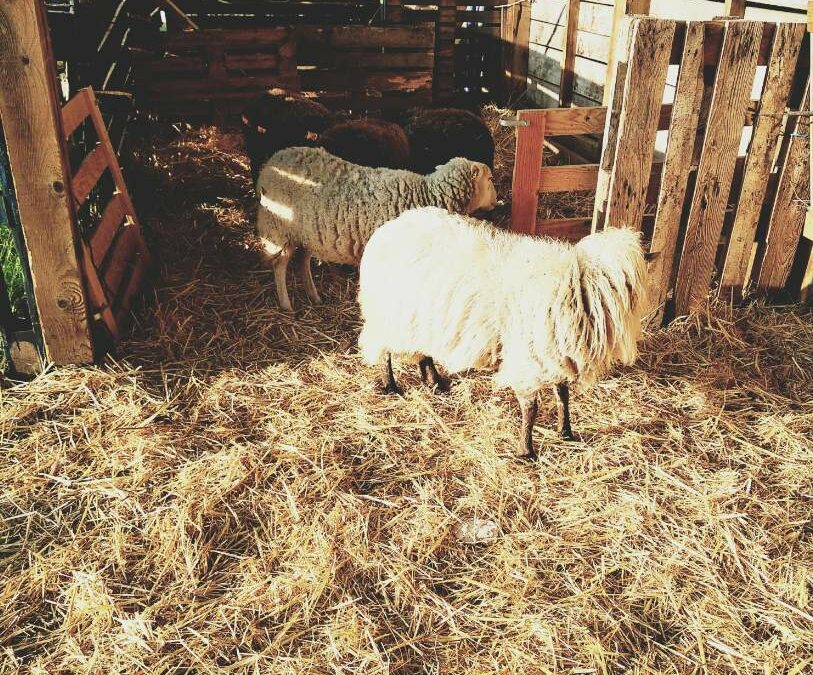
(235, 496)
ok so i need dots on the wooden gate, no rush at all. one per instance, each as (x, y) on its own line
(713, 213)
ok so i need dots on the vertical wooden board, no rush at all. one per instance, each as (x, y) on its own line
(734, 8)
(638, 124)
(528, 162)
(618, 37)
(676, 167)
(787, 216)
(569, 53)
(732, 92)
(610, 144)
(33, 128)
(766, 135)
(515, 31)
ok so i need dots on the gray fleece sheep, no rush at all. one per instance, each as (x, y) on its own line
(312, 200)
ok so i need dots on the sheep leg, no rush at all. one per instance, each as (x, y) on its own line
(280, 274)
(307, 277)
(563, 411)
(390, 385)
(430, 375)
(529, 407)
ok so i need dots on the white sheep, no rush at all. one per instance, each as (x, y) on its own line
(312, 200)
(434, 285)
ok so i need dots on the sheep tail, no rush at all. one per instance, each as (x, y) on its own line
(599, 307)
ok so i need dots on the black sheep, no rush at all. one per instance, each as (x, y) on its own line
(281, 119)
(368, 142)
(437, 135)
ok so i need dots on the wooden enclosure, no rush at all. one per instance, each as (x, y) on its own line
(702, 207)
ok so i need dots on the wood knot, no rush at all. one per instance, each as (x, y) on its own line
(25, 60)
(59, 187)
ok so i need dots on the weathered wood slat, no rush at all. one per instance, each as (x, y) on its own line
(124, 248)
(676, 168)
(100, 306)
(615, 101)
(527, 164)
(787, 216)
(105, 232)
(74, 112)
(735, 77)
(32, 124)
(766, 136)
(638, 123)
(568, 178)
(88, 174)
(568, 58)
(569, 229)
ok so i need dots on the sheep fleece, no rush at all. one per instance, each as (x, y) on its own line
(471, 296)
(330, 206)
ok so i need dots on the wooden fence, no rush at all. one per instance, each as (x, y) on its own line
(711, 216)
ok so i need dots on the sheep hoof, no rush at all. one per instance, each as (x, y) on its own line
(393, 389)
(567, 435)
(442, 386)
(524, 452)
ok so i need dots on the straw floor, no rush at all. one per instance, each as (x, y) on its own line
(234, 495)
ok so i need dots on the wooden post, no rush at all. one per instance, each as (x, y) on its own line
(515, 30)
(445, 33)
(528, 163)
(622, 8)
(29, 107)
(569, 54)
(734, 8)
(393, 12)
(807, 279)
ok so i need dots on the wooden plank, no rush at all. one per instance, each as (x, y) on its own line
(613, 119)
(676, 168)
(131, 290)
(74, 112)
(569, 53)
(89, 173)
(618, 38)
(734, 8)
(527, 164)
(732, 92)
(766, 137)
(32, 123)
(787, 216)
(246, 37)
(568, 178)
(99, 306)
(105, 232)
(124, 248)
(638, 124)
(421, 36)
(569, 229)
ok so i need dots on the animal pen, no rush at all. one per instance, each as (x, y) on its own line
(229, 491)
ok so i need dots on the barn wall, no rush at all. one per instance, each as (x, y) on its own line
(592, 46)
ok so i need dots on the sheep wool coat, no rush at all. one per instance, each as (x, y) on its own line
(540, 311)
(331, 207)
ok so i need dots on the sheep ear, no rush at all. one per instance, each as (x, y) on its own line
(475, 170)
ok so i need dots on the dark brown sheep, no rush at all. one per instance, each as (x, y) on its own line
(368, 142)
(280, 119)
(437, 135)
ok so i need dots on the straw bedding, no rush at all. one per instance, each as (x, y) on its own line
(234, 495)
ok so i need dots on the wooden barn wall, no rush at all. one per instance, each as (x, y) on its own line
(548, 18)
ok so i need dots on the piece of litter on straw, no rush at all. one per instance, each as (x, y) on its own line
(477, 531)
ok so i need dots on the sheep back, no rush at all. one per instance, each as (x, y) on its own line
(278, 119)
(437, 135)
(368, 142)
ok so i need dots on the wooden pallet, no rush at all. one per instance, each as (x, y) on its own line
(212, 73)
(114, 257)
(689, 193)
